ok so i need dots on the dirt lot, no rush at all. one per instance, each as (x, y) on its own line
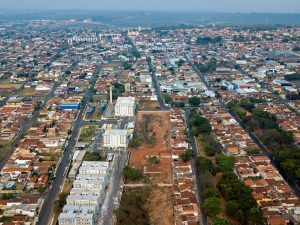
(161, 203)
(150, 205)
(32, 92)
(147, 105)
(153, 130)
(10, 85)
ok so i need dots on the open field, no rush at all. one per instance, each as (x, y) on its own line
(5, 148)
(32, 92)
(87, 133)
(153, 131)
(160, 202)
(9, 85)
(114, 65)
(147, 105)
(146, 205)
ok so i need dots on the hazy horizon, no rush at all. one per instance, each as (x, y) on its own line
(230, 6)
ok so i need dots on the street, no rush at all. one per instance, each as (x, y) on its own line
(114, 190)
(46, 210)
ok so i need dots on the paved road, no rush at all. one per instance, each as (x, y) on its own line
(199, 189)
(46, 211)
(156, 87)
(114, 190)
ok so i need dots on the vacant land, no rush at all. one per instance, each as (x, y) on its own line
(10, 85)
(153, 131)
(160, 202)
(148, 105)
(87, 133)
(146, 205)
(5, 148)
(32, 92)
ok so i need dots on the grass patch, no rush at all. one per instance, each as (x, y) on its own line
(94, 156)
(87, 133)
(132, 208)
(5, 148)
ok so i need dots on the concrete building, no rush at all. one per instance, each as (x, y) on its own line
(115, 139)
(125, 106)
(75, 215)
(87, 195)
(69, 105)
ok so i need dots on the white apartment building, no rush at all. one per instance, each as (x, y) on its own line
(115, 139)
(125, 106)
(94, 168)
(78, 215)
(87, 195)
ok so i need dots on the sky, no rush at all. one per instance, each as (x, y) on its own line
(286, 6)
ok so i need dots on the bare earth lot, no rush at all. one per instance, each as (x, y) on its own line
(153, 129)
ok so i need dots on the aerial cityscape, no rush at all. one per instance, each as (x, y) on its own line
(131, 113)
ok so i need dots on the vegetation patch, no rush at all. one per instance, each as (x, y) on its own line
(132, 174)
(277, 140)
(87, 133)
(132, 209)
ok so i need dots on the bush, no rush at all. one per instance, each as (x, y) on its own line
(210, 192)
(205, 165)
(154, 160)
(132, 208)
(219, 221)
(131, 173)
(92, 156)
(209, 151)
(253, 151)
(187, 155)
(134, 143)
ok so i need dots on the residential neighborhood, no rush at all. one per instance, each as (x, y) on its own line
(179, 125)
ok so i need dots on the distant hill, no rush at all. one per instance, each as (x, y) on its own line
(154, 18)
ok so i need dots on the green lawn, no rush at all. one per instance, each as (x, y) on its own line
(87, 133)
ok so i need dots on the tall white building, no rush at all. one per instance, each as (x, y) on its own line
(87, 195)
(115, 139)
(125, 106)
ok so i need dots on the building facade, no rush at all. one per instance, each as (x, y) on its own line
(125, 106)
(115, 139)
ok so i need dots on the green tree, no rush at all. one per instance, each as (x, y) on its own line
(232, 104)
(6, 196)
(210, 192)
(134, 143)
(168, 98)
(194, 101)
(62, 197)
(92, 156)
(205, 164)
(131, 173)
(154, 160)
(232, 207)
(253, 150)
(212, 206)
(219, 221)
(187, 155)
(210, 151)
(195, 131)
(225, 163)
